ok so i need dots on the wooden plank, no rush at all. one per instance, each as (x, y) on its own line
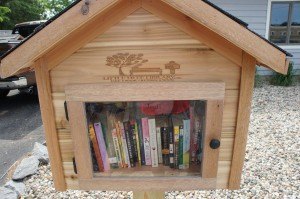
(48, 117)
(101, 23)
(148, 184)
(194, 29)
(148, 195)
(213, 128)
(195, 65)
(50, 36)
(80, 140)
(117, 92)
(232, 31)
(244, 110)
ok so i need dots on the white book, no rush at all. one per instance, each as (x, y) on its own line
(117, 147)
(153, 142)
(159, 148)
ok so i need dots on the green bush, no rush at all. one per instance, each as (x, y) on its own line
(284, 80)
(258, 83)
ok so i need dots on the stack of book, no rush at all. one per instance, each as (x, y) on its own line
(123, 137)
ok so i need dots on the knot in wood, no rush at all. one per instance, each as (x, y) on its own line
(85, 9)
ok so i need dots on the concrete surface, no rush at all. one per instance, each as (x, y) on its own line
(20, 128)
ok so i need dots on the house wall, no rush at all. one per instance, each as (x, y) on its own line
(255, 13)
(160, 43)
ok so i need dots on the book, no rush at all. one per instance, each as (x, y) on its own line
(165, 146)
(102, 145)
(141, 141)
(159, 149)
(96, 148)
(119, 136)
(129, 141)
(186, 143)
(146, 138)
(171, 147)
(139, 160)
(176, 147)
(124, 144)
(117, 147)
(153, 142)
(180, 151)
(110, 147)
(134, 141)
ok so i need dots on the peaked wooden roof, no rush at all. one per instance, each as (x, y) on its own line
(57, 29)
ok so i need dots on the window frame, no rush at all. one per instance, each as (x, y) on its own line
(286, 45)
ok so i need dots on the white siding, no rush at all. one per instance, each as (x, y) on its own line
(254, 12)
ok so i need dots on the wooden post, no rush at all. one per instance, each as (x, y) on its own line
(148, 195)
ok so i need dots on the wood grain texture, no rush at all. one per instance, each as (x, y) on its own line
(101, 23)
(194, 29)
(47, 38)
(232, 31)
(148, 195)
(213, 129)
(148, 184)
(80, 139)
(246, 91)
(117, 92)
(48, 118)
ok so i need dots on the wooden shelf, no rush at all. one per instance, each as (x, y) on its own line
(148, 171)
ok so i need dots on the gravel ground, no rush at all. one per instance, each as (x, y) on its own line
(272, 165)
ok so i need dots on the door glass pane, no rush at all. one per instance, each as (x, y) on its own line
(279, 22)
(138, 139)
(295, 24)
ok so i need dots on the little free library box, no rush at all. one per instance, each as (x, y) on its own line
(145, 95)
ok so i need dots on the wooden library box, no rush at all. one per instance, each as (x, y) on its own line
(145, 95)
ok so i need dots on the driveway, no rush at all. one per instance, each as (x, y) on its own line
(20, 128)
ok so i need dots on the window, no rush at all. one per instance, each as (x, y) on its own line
(285, 22)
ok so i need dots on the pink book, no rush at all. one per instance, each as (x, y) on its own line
(101, 143)
(146, 138)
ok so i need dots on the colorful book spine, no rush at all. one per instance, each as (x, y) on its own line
(134, 143)
(95, 144)
(180, 154)
(186, 143)
(119, 135)
(159, 148)
(129, 141)
(141, 141)
(171, 147)
(146, 138)
(139, 160)
(117, 147)
(165, 146)
(176, 146)
(124, 144)
(102, 146)
(153, 142)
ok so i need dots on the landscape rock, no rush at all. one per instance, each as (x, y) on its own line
(18, 187)
(6, 193)
(27, 167)
(40, 151)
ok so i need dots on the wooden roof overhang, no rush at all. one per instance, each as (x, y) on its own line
(71, 30)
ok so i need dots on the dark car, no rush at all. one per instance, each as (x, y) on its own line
(9, 39)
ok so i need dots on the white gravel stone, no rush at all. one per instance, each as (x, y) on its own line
(41, 152)
(272, 161)
(6, 193)
(27, 167)
(19, 187)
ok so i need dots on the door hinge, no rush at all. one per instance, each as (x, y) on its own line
(74, 165)
(66, 110)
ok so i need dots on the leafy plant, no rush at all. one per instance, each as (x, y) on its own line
(284, 80)
(258, 80)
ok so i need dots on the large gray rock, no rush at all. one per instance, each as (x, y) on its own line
(6, 193)
(27, 167)
(18, 187)
(41, 152)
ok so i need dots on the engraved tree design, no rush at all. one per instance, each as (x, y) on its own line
(122, 60)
